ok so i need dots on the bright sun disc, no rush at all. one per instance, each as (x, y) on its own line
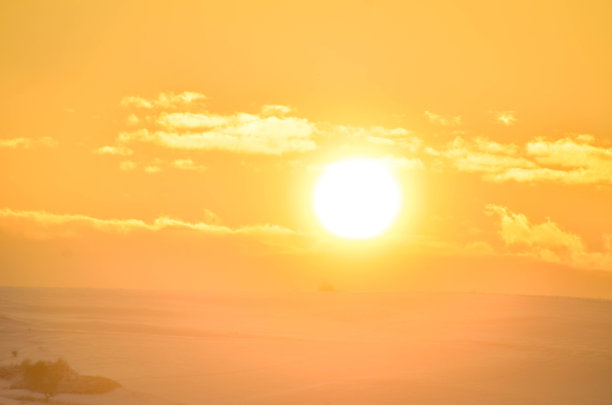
(357, 198)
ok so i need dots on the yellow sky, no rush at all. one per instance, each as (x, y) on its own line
(176, 144)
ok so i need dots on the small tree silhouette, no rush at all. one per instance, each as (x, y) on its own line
(45, 376)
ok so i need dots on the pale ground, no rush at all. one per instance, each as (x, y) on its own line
(315, 348)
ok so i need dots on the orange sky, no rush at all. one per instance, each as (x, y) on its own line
(176, 145)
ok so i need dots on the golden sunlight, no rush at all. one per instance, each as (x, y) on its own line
(357, 198)
(305, 202)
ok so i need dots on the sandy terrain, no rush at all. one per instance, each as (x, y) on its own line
(314, 348)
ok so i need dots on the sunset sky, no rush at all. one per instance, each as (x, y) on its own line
(144, 145)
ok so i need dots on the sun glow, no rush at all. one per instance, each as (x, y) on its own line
(357, 198)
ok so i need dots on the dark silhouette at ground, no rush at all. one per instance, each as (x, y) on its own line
(54, 377)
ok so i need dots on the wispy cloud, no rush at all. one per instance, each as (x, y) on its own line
(28, 143)
(120, 150)
(151, 169)
(446, 121)
(546, 241)
(568, 160)
(275, 110)
(273, 137)
(127, 165)
(505, 117)
(163, 100)
(159, 165)
(401, 138)
(187, 164)
(482, 156)
(132, 120)
(182, 121)
(191, 121)
(71, 224)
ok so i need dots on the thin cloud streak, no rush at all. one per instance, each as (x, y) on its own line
(45, 220)
(28, 143)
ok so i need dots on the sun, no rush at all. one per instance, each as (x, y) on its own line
(357, 198)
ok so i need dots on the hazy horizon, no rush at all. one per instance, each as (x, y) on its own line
(357, 348)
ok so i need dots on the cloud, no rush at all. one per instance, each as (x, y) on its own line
(578, 158)
(181, 121)
(505, 117)
(151, 169)
(275, 110)
(546, 241)
(539, 174)
(49, 224)
(272, 138)
(132, 120)
(187, 164)
(482, 156)
(489, 146)
(442, 120)
(127, 165)
(158, 165)
(28, 143)
(191, 121)
(517, 230)
(163, 100)
(184, 123)
(120, 150)
(377, 135)
(568, 160)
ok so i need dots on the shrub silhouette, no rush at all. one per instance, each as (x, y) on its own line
(54, 377)
(45, 376)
